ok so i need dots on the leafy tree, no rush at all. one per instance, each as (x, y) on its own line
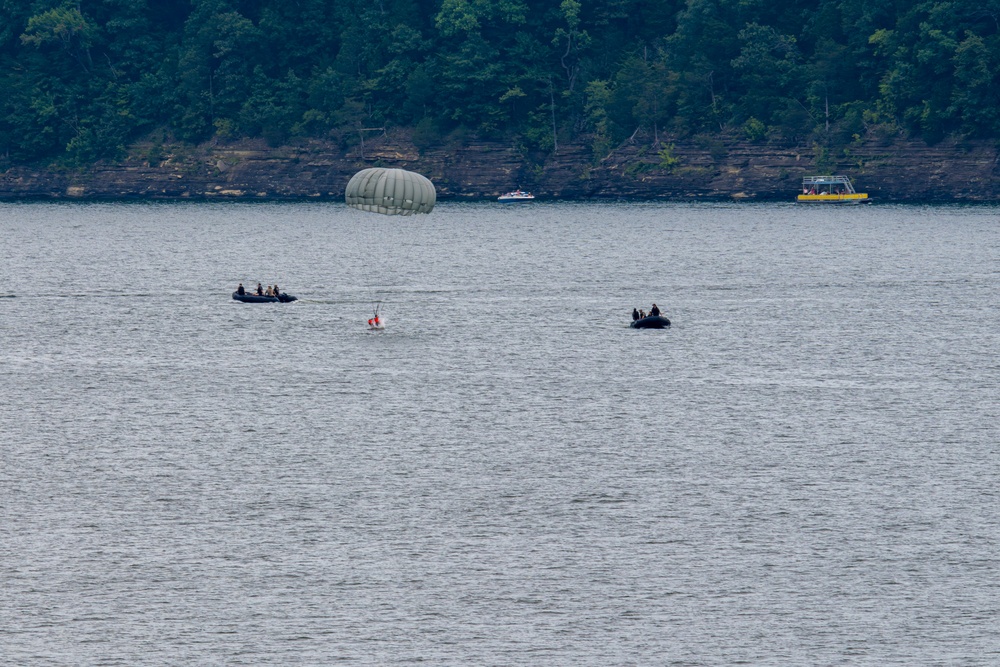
(701, 51)
(975, 100)
(648, 87)
(215, 67)
(768, 72)
(64, 28)
(599, 97)
(575, 38)
(84, 78)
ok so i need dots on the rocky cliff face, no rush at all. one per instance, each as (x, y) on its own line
(706, 169)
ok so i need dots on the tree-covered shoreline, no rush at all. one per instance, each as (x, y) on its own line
(85, 78)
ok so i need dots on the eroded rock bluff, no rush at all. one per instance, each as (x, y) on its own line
(712, 169)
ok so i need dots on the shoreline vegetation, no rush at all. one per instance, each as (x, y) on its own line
(679, 99)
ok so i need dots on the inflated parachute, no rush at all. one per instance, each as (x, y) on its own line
(390, 192)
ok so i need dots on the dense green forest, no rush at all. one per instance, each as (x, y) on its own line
(81, 79)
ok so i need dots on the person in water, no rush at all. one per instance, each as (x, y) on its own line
(260, 290)
(240, 290)
(635, 314)
(654, 311)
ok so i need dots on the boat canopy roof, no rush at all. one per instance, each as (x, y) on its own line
(816, 181)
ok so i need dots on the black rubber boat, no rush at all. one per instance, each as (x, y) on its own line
(651, 322)
(253, 298)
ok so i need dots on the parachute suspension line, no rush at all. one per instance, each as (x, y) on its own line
(370, 246)
(393, 195)
(378, 252)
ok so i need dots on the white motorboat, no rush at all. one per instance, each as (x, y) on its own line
(516, 195)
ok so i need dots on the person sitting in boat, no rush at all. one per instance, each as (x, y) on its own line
(260, 290)
(268, 291)
(276, 291)
(240, 290)
(635, 314)
(654, 311)
(642, 314)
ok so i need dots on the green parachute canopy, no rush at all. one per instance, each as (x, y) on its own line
(390, 192)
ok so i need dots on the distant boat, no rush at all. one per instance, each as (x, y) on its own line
(253, 298)
(830, 190)
(515, 196)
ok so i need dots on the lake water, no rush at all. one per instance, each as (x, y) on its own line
(802, 470)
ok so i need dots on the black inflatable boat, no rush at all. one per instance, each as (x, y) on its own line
(651, 322)
(253, 298)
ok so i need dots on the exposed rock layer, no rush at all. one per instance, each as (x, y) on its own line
(713, 169)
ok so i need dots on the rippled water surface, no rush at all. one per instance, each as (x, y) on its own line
(802, 470)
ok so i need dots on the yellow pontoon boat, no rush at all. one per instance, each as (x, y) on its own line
(830, 190)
